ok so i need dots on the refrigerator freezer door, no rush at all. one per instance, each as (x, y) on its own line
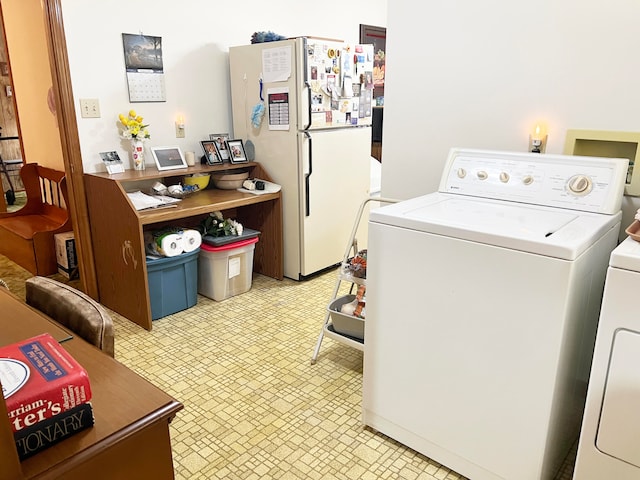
(276, 64)
(335, 181)
(337, 85)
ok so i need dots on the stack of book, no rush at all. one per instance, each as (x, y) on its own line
(47, 393)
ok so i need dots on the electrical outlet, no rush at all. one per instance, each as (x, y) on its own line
(90, 108)
(179, 130)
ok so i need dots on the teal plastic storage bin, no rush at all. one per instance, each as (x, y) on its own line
(173, 283)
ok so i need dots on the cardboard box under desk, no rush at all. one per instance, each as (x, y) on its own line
(66, 256)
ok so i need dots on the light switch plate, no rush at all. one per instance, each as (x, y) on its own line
(90, 108)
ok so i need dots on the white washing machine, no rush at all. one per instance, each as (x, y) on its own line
(610, 438)
(482, 308)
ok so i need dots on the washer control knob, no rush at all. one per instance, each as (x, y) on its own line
(482, 175)
(580, 185)
(462, 173)
(504, 177)
(528, 179)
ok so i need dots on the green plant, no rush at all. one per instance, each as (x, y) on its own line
(218, 226)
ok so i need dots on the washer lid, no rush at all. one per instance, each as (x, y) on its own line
(626, 255)
(541, 230)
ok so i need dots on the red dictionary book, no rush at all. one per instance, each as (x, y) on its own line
(40, 379)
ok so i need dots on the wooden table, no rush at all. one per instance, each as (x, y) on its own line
(130, 438)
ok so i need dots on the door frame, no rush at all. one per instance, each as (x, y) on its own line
(70, 141)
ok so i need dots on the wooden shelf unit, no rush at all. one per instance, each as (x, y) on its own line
(117, 229)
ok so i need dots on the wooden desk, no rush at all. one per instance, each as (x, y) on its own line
(130, 438)
(117, 229)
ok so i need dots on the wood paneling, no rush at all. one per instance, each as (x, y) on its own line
(9, 149)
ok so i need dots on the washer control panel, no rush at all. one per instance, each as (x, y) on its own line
(591, 184)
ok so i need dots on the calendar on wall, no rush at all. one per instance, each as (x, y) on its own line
(146, 87)
(143, 61)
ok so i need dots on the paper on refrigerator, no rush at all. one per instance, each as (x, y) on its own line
(276, 64)
(278, 105)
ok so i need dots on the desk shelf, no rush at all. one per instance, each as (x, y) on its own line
(117, 229)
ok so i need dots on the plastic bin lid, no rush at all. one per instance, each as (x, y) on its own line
(229, 246)
(183, 257)
(219, 241)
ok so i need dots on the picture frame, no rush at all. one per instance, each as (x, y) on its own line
(168, 158)
(377, 36)
(142, 52)
(112, 162)
(221, 140)
(236, 151)
(211, 152)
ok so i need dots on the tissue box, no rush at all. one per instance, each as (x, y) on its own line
(66, 256)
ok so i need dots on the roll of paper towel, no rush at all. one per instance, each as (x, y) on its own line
(165, 244)
(191, 240)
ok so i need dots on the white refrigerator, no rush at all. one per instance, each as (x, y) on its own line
(314, 138)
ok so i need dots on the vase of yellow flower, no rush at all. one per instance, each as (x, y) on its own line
(134, 129)
(137, 154)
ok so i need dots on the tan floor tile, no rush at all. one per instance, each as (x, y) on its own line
(255, 407)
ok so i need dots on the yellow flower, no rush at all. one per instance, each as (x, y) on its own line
(133, 126)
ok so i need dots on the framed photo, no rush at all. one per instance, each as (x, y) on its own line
(377, 36)
(142, 52)
(236, 151)
(112, 162)
(211, 153)
(221, 140)
(168, 158)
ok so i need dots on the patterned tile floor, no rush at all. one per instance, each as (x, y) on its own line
(255, 407)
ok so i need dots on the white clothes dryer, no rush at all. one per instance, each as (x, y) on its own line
(610, 438)
(482, 308)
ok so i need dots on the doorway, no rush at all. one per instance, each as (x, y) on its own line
(11, 157)
(59, 103)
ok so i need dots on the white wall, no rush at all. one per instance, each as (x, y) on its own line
(481, 74)
(196, 36)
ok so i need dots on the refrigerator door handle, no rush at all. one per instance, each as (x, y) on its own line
(305, 73)
(306, 177)
(308, 125)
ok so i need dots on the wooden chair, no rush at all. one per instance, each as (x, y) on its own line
(72, 309)
(26, 236)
